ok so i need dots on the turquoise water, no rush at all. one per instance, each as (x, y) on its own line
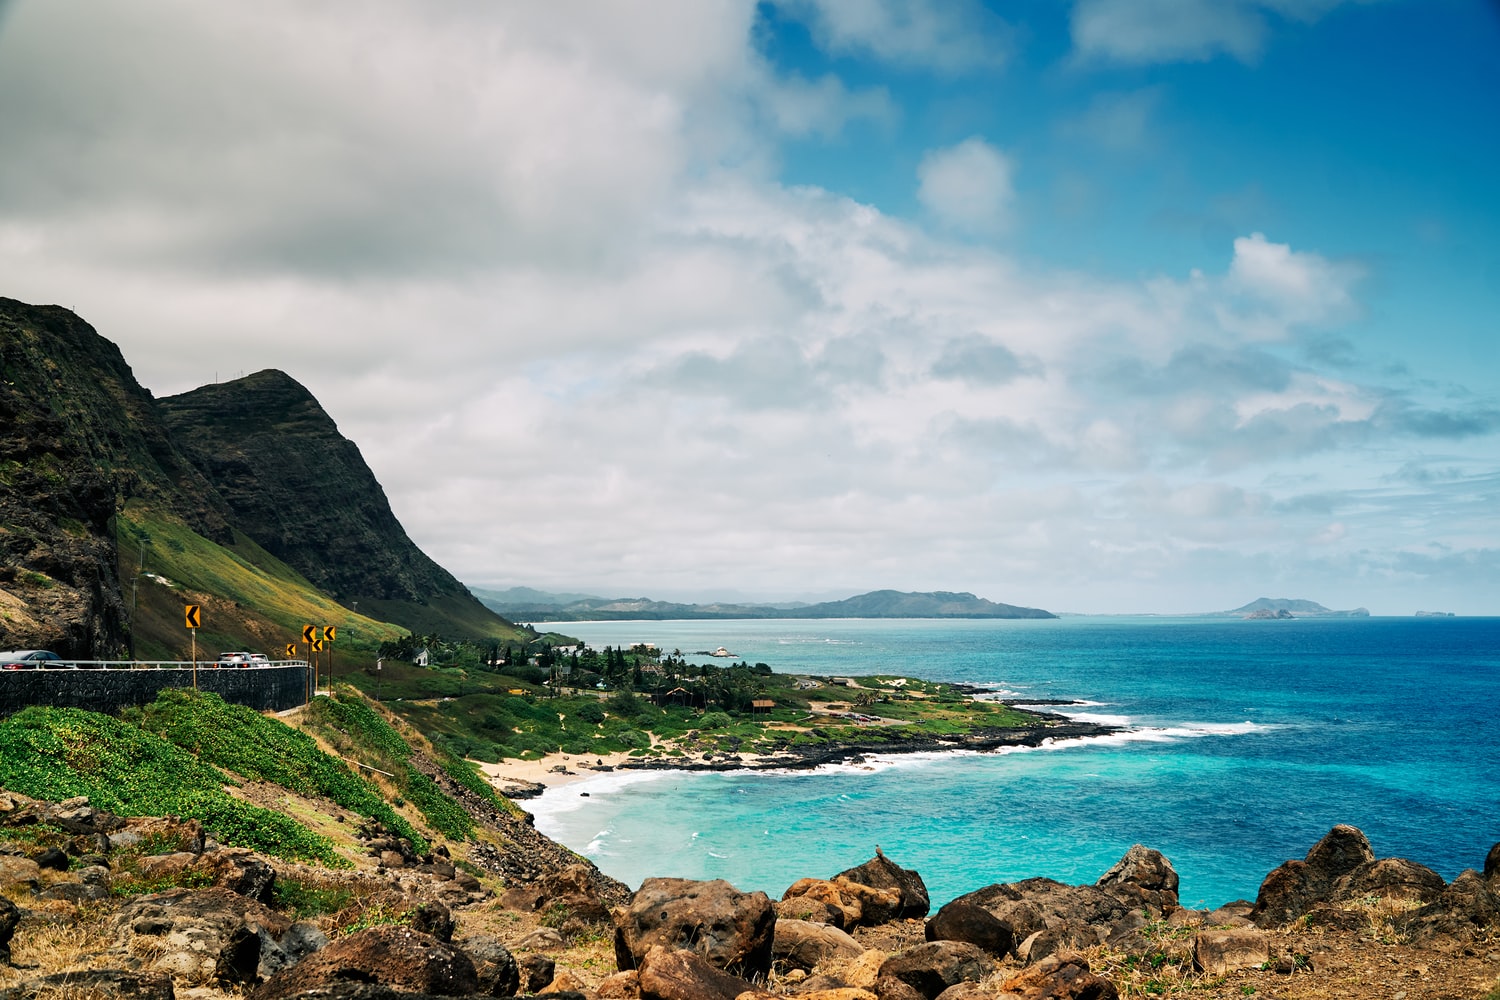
(1247, 740)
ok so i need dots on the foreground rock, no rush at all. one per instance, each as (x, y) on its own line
(880, 872)
(1046, 916)
(1292, 889)
(731, 930)
(212, 934)
(397, 957)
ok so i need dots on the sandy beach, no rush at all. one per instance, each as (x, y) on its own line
(552, 770)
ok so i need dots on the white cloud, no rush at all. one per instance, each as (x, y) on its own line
(1149, 31)
(540, 271)
(1117, 121)
(949, 36)
(968, 187)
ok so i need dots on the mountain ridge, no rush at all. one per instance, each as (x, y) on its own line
(874, 604)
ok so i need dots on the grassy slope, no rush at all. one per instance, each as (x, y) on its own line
(251, 600)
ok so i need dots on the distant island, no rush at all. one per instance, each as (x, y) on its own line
(1283, 607)
(526, 604)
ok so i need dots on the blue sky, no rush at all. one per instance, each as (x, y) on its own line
(1101, 305)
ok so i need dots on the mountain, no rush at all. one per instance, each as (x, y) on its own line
(877, 604)
(1265, 607)
(116, 509)
(303, 491)
(528, 597)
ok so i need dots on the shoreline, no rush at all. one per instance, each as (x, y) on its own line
(526, 779)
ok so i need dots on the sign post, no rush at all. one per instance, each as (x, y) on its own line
(329, 633)
(194, 615)
(308, 631)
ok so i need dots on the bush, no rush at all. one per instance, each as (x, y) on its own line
(591, 712)
(714, 720)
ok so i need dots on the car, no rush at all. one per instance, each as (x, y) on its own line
(32, 659)
(259, 660)
(234, 660)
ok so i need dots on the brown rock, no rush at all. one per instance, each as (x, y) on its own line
(883, 873)
(398, 957)
(1492, 864)
(536, 971)
(732, 930)
(686, 975)
(494, 965)
(891, 988)
(1389, 878)
(1467, 908)
(621, 986)
(817, 911)
(10, 918)
(1218, 952)
(1060, 977)
(19, 872)
(1291, 890)
(1144, 874)
(933, 967)
(864, 970)
(803, 945)
(574, 888)
(960, 921)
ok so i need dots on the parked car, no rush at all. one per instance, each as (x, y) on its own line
(234, 660)
(32, 659)
(259, 660)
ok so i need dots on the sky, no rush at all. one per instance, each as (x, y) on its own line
(1091, 305)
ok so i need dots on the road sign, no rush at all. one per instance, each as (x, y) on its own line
(291, 650)
(329, 632)
(194, 615)
(318, 645)
(309, 633)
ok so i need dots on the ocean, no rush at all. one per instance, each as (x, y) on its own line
(1246, 741)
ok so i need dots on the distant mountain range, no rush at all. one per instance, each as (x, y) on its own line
(525, 604)
(1283, 607)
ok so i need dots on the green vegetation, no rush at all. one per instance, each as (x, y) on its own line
(348, 723)
(57, 753)
(251, 585)
(245, 742)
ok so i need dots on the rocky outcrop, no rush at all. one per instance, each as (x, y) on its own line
(1291, 890)
(968, 922)
(731, 930)
(880, 872)
(799, 944)
(116, 984)
(1145, 875)
(1058, 977)
(398, 957)
(10, 918)
(852, 904)
(931, 968)
(212, 934)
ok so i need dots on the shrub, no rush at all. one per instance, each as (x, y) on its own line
(714, 720)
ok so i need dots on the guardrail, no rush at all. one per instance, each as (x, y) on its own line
(110, 685)
(165, 665)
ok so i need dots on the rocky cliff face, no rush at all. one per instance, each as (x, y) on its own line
(78, 436)
(303, 492)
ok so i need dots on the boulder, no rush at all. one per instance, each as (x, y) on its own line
(891, 988)
(817, 911)
(933, 967)
(1492, 865)
(20, 873)
(960, 921)
(675, 974)
(494, 965)
(234, 868)
(574, 888)
(536, 971)
(802, 945)
(1389, 878)
(1468, 908)
(732, 930)
(881, 872)
(213, 933)
(862, 905)
(52, 859)
(620, 986)
(433, 919)
(397, 957)
(1143, 874)
(1035, 904)
(116, 984)
(1221, 951)
(1059, 977)
(1291, 890)
(10, 919)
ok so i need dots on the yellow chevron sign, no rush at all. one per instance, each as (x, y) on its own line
(194, 615)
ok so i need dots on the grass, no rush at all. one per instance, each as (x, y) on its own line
(56, 753)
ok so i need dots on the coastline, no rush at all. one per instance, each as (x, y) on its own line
(525, 779)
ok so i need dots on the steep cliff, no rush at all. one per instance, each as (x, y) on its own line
(302, 491)
(78, 436)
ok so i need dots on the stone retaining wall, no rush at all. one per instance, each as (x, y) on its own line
(260, 688)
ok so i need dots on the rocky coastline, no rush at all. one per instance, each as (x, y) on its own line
(95, 906)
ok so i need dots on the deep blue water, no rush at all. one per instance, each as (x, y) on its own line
(1249, 740)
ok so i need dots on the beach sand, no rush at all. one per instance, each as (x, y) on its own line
(545, 771)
